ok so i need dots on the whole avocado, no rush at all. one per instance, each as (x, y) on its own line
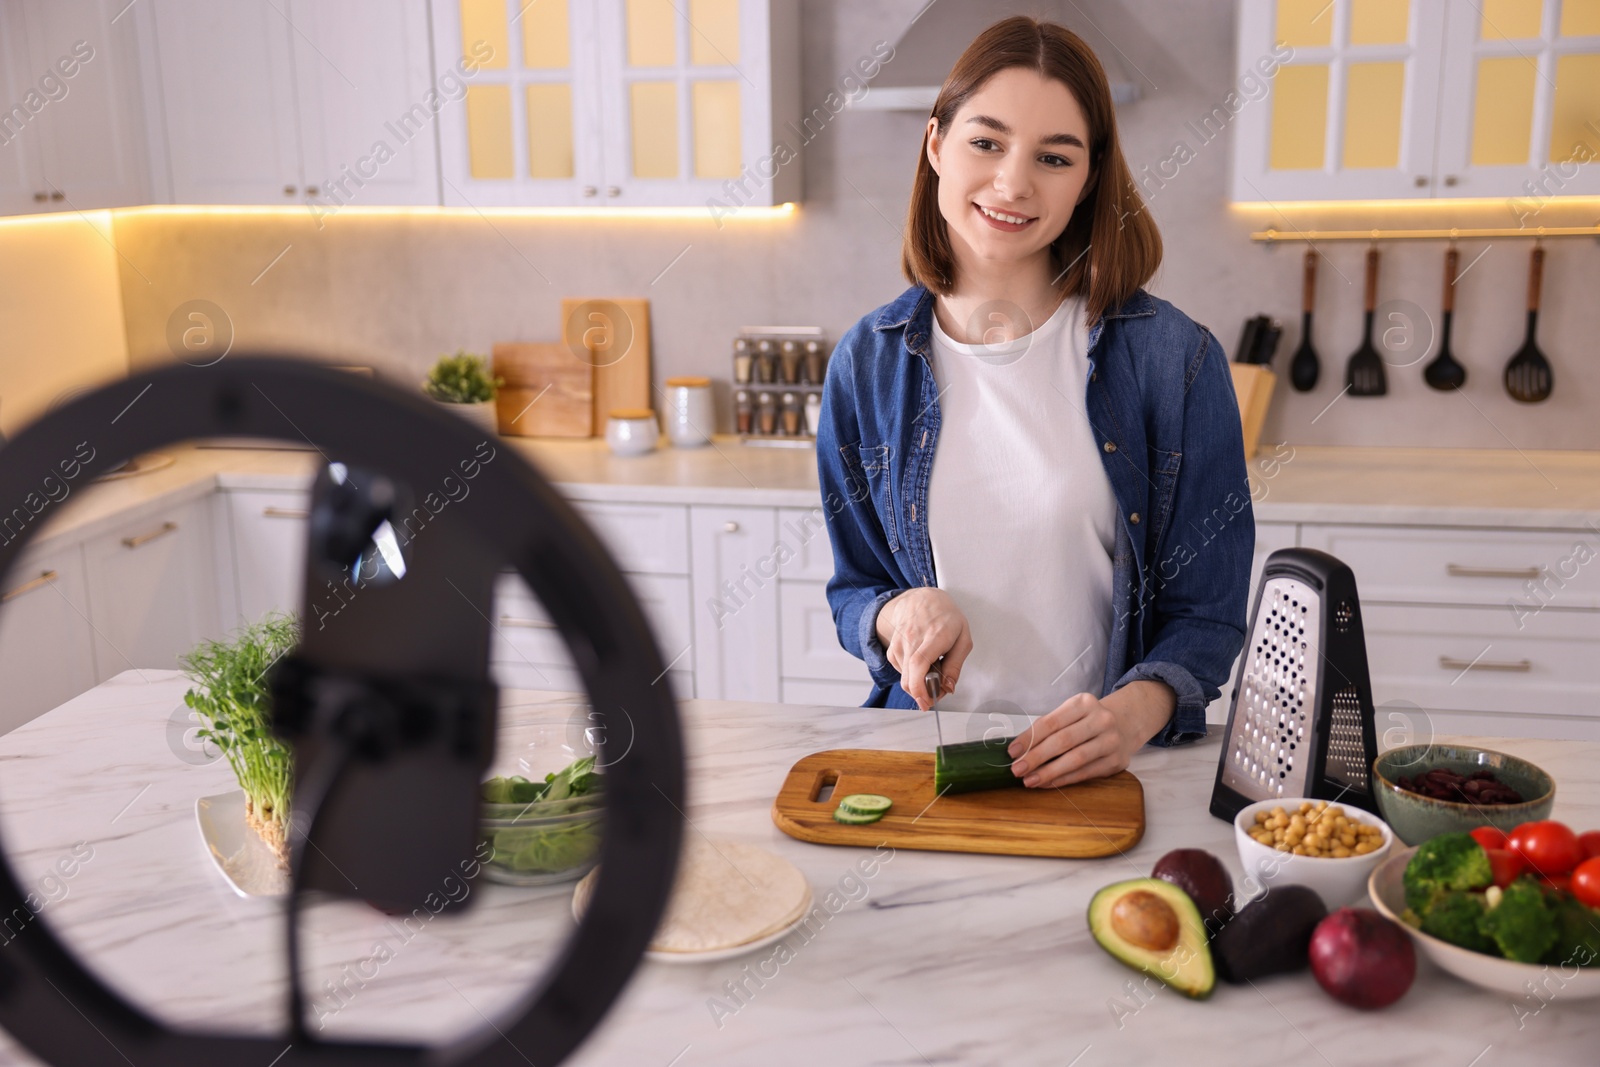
(1202, 876)
(1269, 935)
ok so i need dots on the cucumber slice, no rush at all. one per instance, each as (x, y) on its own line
(973, 766)
(865, 804)
(851, 818)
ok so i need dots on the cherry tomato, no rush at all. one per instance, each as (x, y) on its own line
(1506, 865)
(1492, 836)
(1586, 882)
(1590, 843)
(1549, 847)
(1562, 882)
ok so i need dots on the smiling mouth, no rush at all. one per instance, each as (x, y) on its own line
(1003, 218)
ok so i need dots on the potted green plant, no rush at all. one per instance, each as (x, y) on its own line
(231, 700)
(465, 382)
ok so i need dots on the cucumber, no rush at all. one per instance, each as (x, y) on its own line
(973, 766)
(865, 804)
(851, 818)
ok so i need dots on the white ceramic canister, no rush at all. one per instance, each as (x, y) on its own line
(631, 431)
(690, 416)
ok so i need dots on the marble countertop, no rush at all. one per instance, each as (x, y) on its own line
(935, 958)
(1290, 483)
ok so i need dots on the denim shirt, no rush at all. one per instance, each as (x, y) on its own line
(1160, 400)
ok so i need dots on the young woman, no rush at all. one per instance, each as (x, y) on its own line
(1033, 469)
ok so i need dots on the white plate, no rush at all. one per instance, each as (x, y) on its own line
(716, 955)
(1480, 969)
(248, 865)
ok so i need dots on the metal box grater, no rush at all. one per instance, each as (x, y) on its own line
(1301, 723)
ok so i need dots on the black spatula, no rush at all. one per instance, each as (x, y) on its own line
(1304, 368)
(1444, 372)
(1364, 375)
(1528, 376)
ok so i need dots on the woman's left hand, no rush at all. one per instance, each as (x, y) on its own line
(1088, 737)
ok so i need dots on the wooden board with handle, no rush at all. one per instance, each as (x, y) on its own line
(614, 335)
(548, 392)
(1095, 818)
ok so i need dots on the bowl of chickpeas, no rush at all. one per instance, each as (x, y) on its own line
(1330, 848)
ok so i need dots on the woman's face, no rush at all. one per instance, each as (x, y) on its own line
(1018, 147)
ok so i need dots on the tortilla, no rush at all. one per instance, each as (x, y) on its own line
(726, 894)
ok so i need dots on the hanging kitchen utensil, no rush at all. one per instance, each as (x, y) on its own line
(1444, 372)
(1304, 368)
(1301, 723)
(1528, 377)
(1364, 373)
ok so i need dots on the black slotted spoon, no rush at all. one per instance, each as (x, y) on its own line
(1363, 375)
(1528, 376)
(1444, 373)
(1303, 370)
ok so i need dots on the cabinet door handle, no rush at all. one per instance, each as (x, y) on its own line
(590, 190)
(613, 190)
(285, 513)
(27, 587)
(39, 198)
(145, 538)
(288, 190)
(57, 194)
(731, 527)
(1456, 570)
(532, 624)
(1450, 663)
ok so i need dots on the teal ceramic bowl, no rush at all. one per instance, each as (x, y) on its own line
(1415, 818)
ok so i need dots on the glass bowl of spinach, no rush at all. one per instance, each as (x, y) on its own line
(543, 832)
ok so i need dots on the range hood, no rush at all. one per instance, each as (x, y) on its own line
(935, 39)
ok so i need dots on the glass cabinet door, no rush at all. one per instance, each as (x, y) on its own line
(1523, 78)
(1349, 110)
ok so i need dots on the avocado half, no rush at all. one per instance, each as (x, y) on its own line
(1153, 926)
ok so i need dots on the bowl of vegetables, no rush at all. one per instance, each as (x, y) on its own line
(1426, 790)
(543, 832)
(1510, 919)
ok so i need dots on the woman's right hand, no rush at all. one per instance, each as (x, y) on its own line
(916, 628)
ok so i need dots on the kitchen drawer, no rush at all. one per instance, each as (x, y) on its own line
(806, 532)
(46, 644)
(828, 694)
(644, 538)
(524, 633)
(1544, 667)
(1441, 565)
(809, 642)
(564, 678)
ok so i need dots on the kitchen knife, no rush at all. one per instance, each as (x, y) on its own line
(932, 681)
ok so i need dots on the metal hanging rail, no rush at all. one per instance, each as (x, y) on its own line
(1451, 234)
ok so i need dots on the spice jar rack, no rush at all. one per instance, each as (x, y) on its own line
(778, 373)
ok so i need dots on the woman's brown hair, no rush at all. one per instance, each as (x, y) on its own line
(1110, 246)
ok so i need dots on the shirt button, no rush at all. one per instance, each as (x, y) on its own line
(1110, 446)
(1134, 518)
(1094, 375)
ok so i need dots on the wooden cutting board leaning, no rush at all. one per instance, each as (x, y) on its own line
(1095, 818)
(613, 335)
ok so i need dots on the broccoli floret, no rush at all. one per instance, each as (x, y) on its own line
(1577, 932)
(1521, 924)
(1453, 915)
(1449, 861)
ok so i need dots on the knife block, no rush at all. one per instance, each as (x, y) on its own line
(1252, 385)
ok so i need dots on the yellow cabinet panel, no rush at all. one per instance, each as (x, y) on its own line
(714, 33)
(546, 37)
(1373, 104)
(1299, 117)
(1509, 20)
(485, 20)
(653, 115)
(1379, 21)
(652, 33)
(550, 131)
(489, 150)
(716, 129)
(1580, 18)
(1574, 129)
(1304, 23)
(1502, 117)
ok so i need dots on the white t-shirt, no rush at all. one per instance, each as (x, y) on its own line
(1021, 516)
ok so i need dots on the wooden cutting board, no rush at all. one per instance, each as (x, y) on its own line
(1095, 818)
(548, 392)
(615, 332)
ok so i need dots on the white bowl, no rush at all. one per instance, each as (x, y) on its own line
(1388, 893)
(1337, 881)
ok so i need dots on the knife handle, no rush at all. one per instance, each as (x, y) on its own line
(931, 681)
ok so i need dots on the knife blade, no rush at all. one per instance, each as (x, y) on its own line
(932, 682)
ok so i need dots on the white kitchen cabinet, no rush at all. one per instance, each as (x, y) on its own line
(810, 643)
(1413, 100)
(642, 538)
(150, 592)
(827, 694)
(621, 102)
(268, 542)
(72, 137)
(735, 585)
(46, 657)
(295, 101)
